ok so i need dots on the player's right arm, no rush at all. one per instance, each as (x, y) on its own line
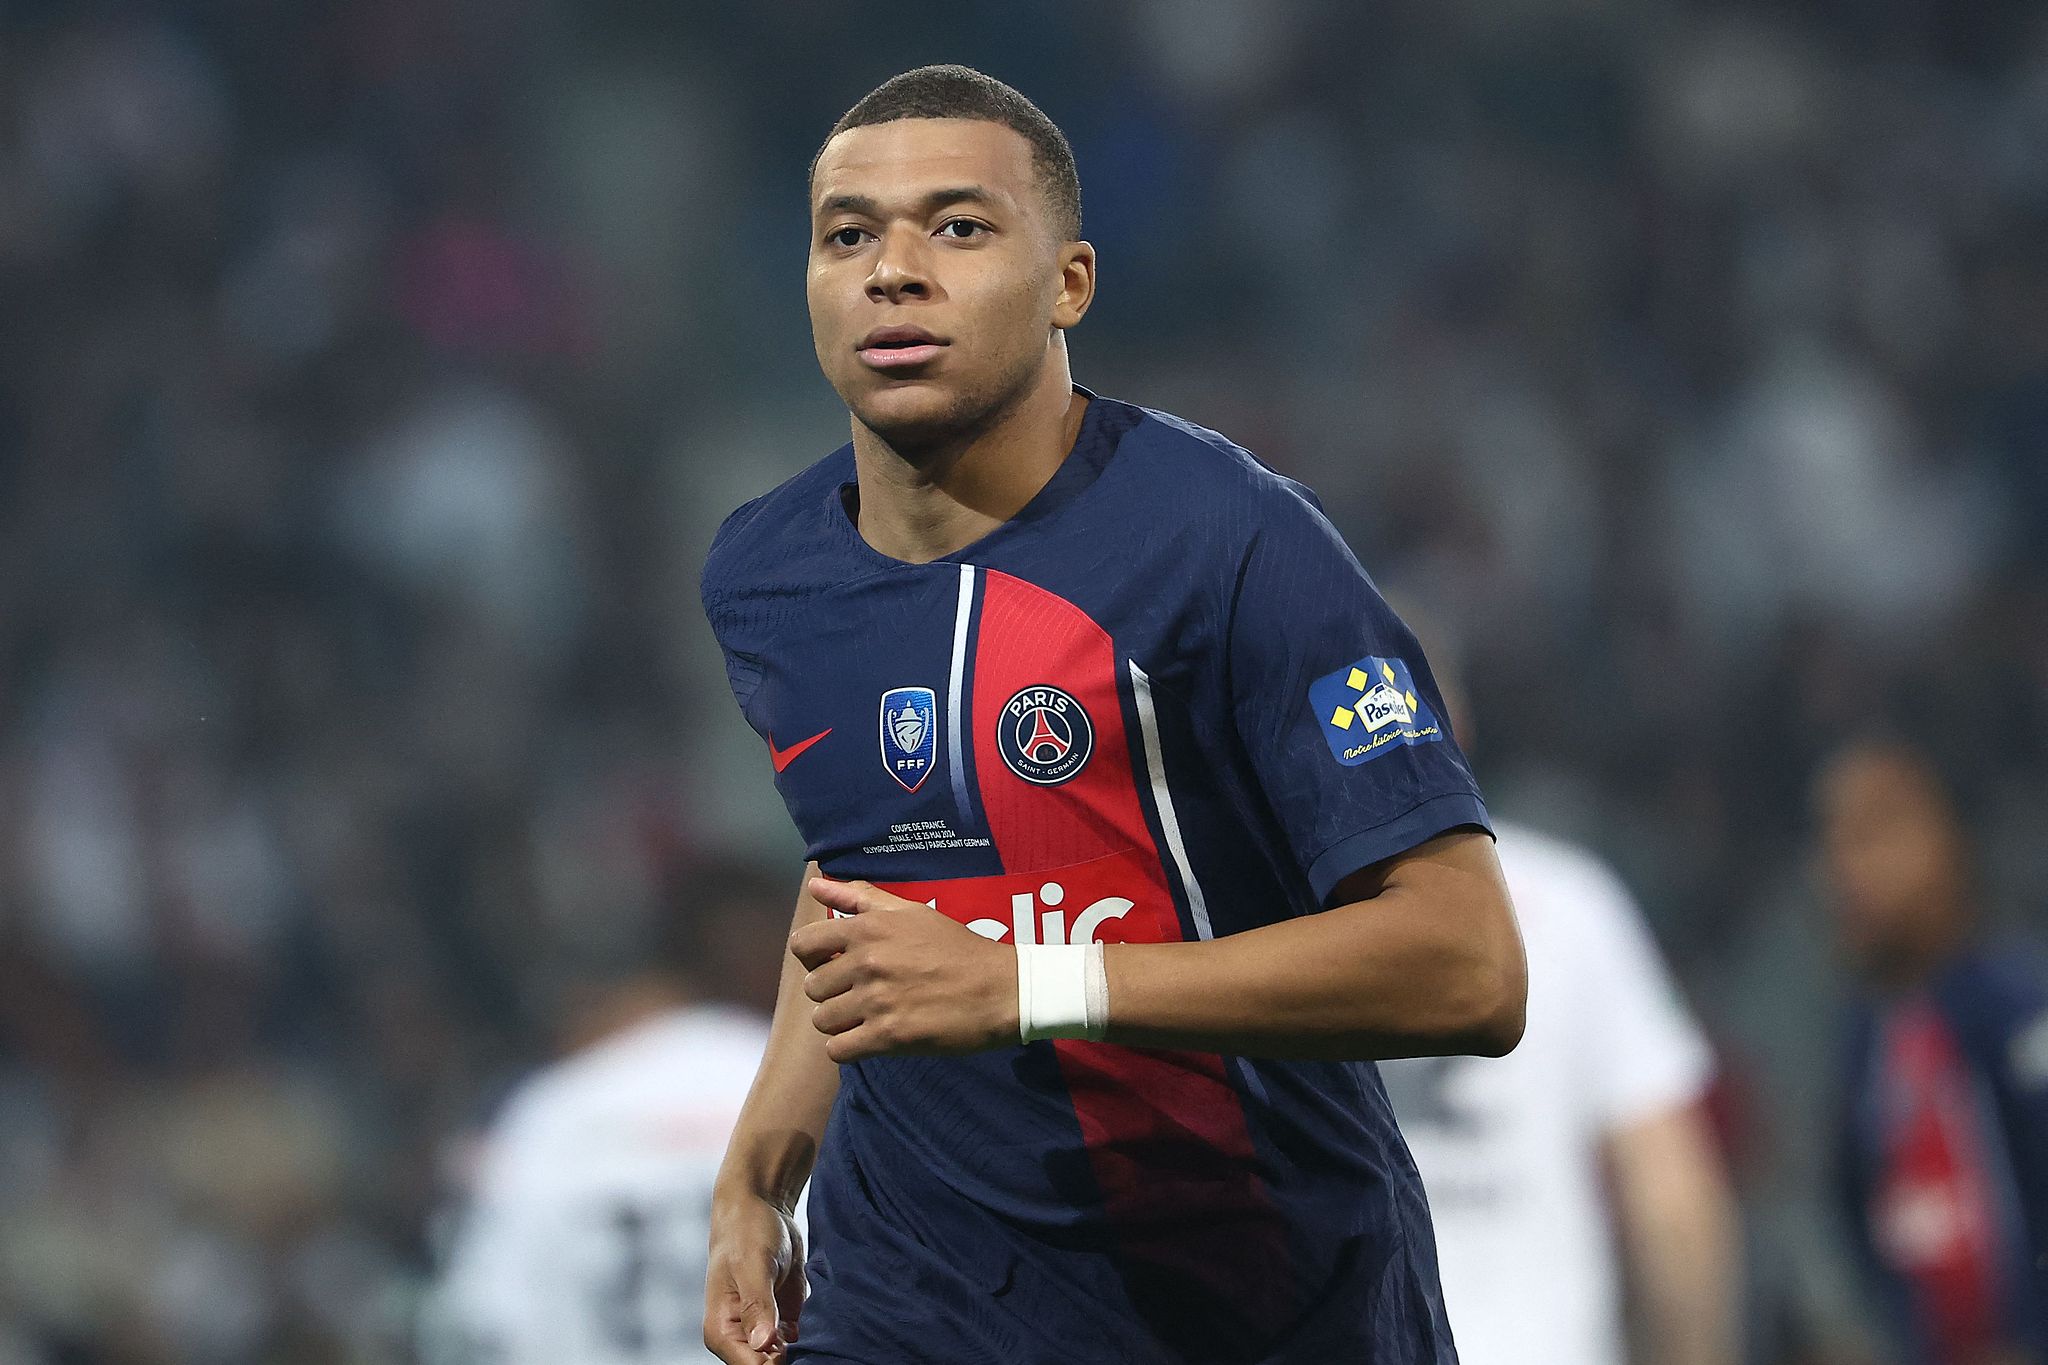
(755, 1289)
(1678, 1234)
(1644, 1073)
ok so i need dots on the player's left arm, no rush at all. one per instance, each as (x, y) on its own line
(1419, 956)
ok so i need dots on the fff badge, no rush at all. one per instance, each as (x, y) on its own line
(910, 734)
(1371, 707)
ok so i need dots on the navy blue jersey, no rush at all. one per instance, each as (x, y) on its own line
(1944, 1157)
(1162, 703)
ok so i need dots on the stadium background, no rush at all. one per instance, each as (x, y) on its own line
(372, 375)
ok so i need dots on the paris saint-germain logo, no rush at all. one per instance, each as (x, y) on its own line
(1045, 736)
(910, 734)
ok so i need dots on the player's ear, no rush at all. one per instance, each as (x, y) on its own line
(1077, 284)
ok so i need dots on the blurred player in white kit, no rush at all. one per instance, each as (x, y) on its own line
(584, 1239)
(1577, 1194)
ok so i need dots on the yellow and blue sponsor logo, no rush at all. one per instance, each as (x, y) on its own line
(1370, 707)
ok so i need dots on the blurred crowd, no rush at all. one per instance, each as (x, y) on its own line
(372, 375)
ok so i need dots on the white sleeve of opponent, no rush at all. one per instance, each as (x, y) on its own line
(1640, 1048)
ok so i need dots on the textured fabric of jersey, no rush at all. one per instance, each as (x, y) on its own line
(1510, 1148)
(1163, 702)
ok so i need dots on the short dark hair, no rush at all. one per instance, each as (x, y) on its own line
(952, 91)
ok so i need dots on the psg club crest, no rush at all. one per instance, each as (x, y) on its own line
(1045, 736)
(910, 734)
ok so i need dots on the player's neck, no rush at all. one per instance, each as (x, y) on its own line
(1918, 959)
(923, 505)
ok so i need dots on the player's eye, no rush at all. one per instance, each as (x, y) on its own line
(961, 229)
(846, 236)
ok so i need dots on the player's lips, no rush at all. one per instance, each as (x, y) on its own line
(898, 348)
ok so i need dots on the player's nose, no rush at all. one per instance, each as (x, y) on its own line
(899, 271)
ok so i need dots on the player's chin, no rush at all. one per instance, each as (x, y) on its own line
(908, 411)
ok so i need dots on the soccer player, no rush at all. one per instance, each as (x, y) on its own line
(1134, 822)
(1582, 1164)
(584, 1240)
(1945, 1135)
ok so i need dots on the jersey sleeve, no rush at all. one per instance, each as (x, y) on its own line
(2024, 1067)
(1335, 704)
(722, 611)
(2013, 990)
(1641, 1051)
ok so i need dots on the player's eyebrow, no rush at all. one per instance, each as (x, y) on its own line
(866, 207)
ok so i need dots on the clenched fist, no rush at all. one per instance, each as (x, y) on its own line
(894, 976)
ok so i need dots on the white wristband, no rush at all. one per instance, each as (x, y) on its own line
(1062, 991)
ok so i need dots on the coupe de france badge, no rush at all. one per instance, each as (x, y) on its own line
(1369, 707)
(910, 734)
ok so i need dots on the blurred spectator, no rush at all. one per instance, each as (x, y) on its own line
(1575, 1184)
(1945, 1157)
(587, 1226)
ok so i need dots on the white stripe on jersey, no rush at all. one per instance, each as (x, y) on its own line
(953, 689)
(1169, 824)
(1162, 800)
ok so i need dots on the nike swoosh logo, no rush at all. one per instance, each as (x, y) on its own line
(782, 758)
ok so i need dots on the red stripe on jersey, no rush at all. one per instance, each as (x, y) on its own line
(1030, 638)
(1166, 1135)
(1934, 1207)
